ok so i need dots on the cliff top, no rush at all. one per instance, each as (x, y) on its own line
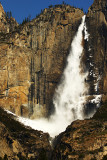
(49, 13)
(99, 5)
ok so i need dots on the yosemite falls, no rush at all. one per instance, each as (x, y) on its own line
(69, 97)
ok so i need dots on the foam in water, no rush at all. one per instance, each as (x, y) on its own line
(69, 97)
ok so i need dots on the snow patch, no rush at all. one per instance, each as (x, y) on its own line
(86, 37)
(97, 83)
(96, 100)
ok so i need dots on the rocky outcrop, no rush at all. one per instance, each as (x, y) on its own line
(4, 27)
(18, 142)
(6, 24)
(85, 140)
(33, 56)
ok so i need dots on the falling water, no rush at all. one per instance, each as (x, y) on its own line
(69, 97)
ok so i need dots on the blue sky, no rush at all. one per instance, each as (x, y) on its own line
(23, 8)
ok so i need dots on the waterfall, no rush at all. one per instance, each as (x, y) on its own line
(69, 96)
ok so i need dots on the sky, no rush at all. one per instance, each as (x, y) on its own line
(23, 8)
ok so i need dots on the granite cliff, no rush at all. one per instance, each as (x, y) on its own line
(97, 47)
(33, 56)
(32, 59)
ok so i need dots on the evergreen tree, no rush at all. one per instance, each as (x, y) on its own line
(8, 14)
(27, 19)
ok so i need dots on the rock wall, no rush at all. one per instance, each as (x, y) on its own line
(50, 36)
(15, 78)
(96, 54)
(35, 56)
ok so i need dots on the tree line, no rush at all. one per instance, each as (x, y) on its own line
(63, 2)
(26, 19)
(8, 14)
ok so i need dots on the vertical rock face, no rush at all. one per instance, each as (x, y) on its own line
(15, 77)
(50, 37)
(96, 47)
(33, 58)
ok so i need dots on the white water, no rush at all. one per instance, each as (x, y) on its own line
(69, 97)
